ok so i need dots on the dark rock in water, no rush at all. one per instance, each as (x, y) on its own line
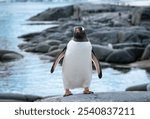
(135, 52)
(42, 48)
(54, 14)
(102, 52)
(6, 56)
(146, 54)
(120, 57)
(11, 97)
(142, 87)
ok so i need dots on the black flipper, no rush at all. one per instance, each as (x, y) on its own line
(57, 60)
(96, 64)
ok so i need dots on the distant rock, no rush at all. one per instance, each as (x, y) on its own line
(6, 56)
(54, 14)
(12, 97)
(42, 48)
(141, 87)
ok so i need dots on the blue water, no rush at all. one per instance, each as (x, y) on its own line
(30, 75)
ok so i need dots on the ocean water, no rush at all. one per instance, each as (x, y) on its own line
(31, 75)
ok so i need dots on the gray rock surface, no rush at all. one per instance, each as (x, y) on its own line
(102, 97)
(146, 54)
(6, 56)
(54, 14)
(12, 97)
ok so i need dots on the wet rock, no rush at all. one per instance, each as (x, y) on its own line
(54, 53)
(146, 54)
(53, 42)
(125, 96)
(12, 97)
(54, 14)
(6, 56)
(103, 37)
(135, 52)
(148, 87)
(141, 87)
(30, 35)
(54, 47)
(120, 57)
(42, 48)
(62, 46)
(102, 51)
(124, 45)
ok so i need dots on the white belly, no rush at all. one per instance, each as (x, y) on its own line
(77, 65)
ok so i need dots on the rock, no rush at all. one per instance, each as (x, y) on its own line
(148, 87)
(53, 42)
(6, 56)
(124, 45)
(136, 16)
(26, 45)
(101, 97)
(12, 97)
(62, 46)
(135, 52)
(141, 87)
(146, 54)
(145, 15)
(54, 14)
(144, 64)
(120, 57)
(54, 47)
(102, 51)
(54, 53)
(103, 37)
(29, 36)
(42, 48)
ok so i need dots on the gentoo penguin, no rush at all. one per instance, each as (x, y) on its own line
(77, 62)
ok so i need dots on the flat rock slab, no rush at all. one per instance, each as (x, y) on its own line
(13, 97)
(136, 96)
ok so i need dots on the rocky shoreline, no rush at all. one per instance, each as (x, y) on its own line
(128, 96)
(119, 35)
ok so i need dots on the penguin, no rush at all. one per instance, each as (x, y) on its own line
(77, 57)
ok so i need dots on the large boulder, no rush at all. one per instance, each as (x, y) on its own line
(54, 14)
(120, 57)
(6, 56)
(102, 51)
(146, 54)
(135, 52)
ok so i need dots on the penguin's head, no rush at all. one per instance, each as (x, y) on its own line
(79, 34)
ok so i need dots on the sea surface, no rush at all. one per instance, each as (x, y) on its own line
(31, 75)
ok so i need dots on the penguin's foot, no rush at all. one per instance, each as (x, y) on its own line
(67, 93)
(87, 91)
